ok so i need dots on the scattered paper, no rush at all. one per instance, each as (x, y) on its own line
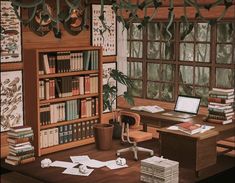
(113, 165)
(205, 128)
(173, 128)
(75, 171)
(63, 164)
(79, 159)
(94, 163)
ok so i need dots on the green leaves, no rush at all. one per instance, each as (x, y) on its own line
(121, 78)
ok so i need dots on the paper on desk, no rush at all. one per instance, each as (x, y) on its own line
(75, 171)
(113, 165)
(173, 128)
(94, 163)
(63, 164)
(205, 128)
(79, 159)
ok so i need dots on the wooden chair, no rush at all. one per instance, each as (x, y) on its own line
(130, 133)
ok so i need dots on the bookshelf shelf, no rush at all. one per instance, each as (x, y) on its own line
(61, 123)
(56, 148)
(78, 73)
(64, 96)
(62, 99)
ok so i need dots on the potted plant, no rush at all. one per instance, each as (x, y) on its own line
(110, 91)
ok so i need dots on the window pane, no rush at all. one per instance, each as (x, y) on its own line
(203, 93)
(153, 50)
(186, 90)
(186, 74)
(154, 31)
(224, 78)
(167, 72)
(167, 92)
(137, 89)
(202, 52)
(136, 49)
(154, 72)
(203, 32)
(153, 90)
(135, 32)
(224, 53)
(165, 35)
(225, 32)
(186, 33)
(128, 48)
(202, 75)
(134, 70)
(186, 51)
(167, 51)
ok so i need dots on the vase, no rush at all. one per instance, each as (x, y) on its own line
(103, 136)
(117, 129)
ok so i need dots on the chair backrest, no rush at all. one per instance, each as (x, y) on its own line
(131, 118)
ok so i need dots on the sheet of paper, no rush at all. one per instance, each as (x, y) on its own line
(113, 165)
(173, 128)
(205, 128)
(75, 171)
(94, 163)
(80, 159)
(63, 164)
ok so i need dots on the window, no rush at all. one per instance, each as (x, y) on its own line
(195, 59)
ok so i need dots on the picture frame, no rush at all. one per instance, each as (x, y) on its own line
(12, 110)
(107, 67)
(108, 40)
(11, 38)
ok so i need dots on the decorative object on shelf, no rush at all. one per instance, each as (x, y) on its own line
(10, 34)
(42, 17)
(11, 100)
(104, 32)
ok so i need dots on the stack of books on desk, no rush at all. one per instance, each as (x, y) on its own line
(220, 106)
(20, 149)
(160, 170)
(189, 128)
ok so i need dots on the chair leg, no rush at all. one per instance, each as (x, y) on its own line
(124, 150)
(145, 150)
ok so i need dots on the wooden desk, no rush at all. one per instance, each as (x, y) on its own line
(196, 151)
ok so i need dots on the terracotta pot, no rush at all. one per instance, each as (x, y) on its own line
(103, 136)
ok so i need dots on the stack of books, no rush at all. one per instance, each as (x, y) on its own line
(220, 106)
(160, 170)
(189, 128)
(20, 149)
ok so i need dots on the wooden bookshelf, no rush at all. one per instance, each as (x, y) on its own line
(33, 102)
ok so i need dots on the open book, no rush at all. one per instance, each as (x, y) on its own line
(149, 108)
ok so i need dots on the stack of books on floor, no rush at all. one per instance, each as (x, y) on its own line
(156, 169)
(189, 128)
(20, 149)
(220, 106)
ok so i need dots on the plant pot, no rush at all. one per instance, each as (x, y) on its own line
(103, 136)
(117, 129)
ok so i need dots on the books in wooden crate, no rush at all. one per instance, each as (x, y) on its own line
(189, 128)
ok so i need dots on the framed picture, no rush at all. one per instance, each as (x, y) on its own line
(11, 49)
(108, 39)
(11, 99)
(107, 67)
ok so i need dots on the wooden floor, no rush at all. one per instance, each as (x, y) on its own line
(105, 175)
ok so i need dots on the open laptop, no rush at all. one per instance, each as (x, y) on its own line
(185, 107)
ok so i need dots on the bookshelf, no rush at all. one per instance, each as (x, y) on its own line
(64, 96)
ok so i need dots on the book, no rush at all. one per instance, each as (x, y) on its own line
(18, 140)
(220, 100)
(151, 109)
(20, 128)
(230, 90)
(218, 121)
(28, 160)
(189, 128)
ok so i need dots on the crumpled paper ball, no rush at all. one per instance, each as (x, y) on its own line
(121, 161)
(45, 163)
(83, 169)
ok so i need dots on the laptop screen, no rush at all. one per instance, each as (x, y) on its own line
(187, 104)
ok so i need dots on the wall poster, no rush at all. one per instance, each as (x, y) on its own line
(108, 39)
(11, 50)
(11, 99)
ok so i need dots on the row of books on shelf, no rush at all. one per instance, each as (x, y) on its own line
(68, 86)
(60, 62)
(220, 107)
(21, 150)
(69, 110)
(67, 133)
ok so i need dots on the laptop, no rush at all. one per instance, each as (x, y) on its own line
(185, 107)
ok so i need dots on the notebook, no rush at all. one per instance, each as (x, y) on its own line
(185, 107)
